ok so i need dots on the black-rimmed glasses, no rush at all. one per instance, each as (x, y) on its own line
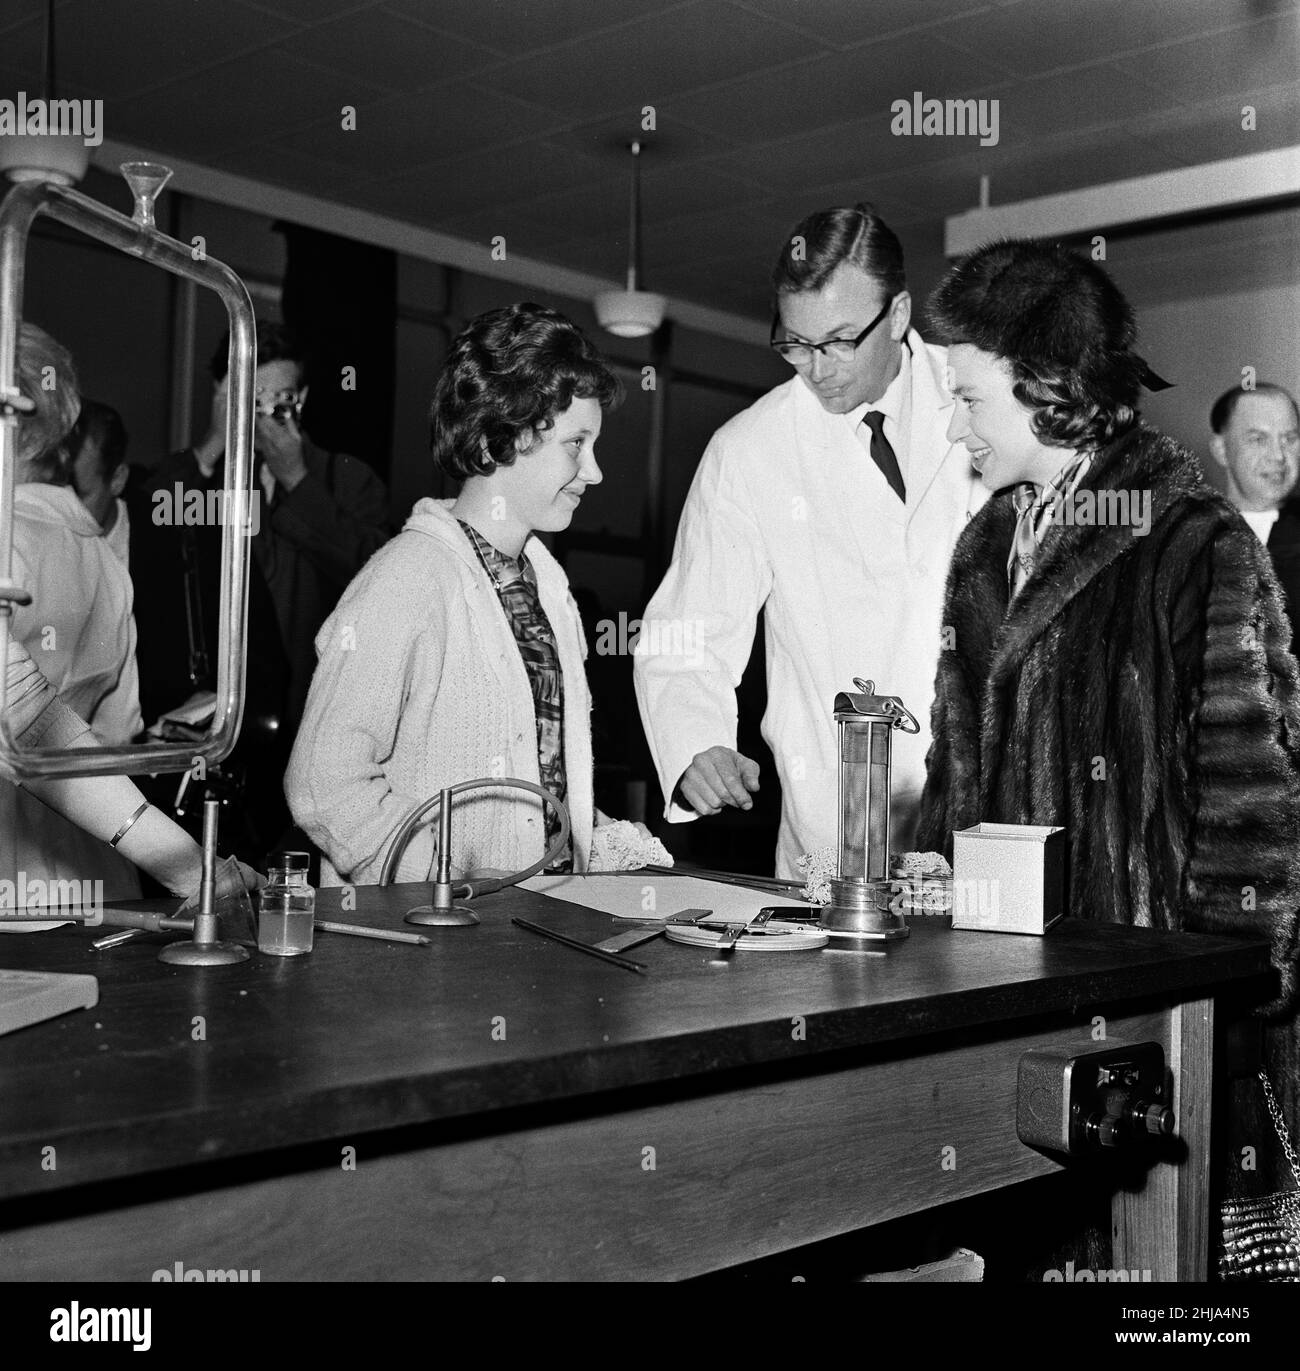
(837, 349)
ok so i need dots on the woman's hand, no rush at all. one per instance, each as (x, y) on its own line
(233, 877)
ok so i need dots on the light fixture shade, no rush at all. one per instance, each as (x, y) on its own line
(59, 157)
(630, 313)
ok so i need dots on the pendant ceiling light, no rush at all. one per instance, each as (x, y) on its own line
(631, 313)
(44, 155)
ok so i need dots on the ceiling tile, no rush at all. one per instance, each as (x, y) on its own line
(887, 198)
(939, 188)
(1072, 101)
(120, 49)
(846, 23)
(1034, 36)
(648, 62)
(227, 106)
(388, 50)
(670, 142)
(833, 88)
(1266, 53)
(1212, 131)
(410, 130)
(450, 189)
(514, 27)
(861, 150)
(311, 11)
(765, 108)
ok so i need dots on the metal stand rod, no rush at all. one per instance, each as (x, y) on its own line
(205, 925)
(443, 913)
(206, 950)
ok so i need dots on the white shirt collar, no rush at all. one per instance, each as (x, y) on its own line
(890, 403)
(1261, 522)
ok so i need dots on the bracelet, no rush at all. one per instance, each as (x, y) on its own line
(126, 827)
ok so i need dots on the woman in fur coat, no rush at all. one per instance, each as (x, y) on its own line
(1117, 651)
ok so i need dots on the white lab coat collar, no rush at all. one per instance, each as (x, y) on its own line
(835, 452)
(931, 414)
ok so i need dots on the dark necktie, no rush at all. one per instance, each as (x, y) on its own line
(882, 453)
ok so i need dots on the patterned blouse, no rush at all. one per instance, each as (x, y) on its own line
(516, 586)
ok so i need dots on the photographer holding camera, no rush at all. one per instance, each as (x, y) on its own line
(320, 516)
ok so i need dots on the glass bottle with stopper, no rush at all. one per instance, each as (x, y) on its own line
(287, 908)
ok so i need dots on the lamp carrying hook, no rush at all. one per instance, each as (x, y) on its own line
(889, 705)
(902, 717)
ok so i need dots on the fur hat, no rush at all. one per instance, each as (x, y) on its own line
(1044, 307)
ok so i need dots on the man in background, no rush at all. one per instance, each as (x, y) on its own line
(832, 504)
(319, 515)
(1256, 440)
(322, 513)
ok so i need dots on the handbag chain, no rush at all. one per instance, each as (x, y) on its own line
(1280, 1124)
(1261, 1237)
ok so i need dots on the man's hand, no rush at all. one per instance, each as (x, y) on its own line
(279, 443)
(720, 776)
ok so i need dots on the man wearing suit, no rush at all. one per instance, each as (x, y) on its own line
(832, 504)
(1256, 439)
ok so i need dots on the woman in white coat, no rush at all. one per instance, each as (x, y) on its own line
(457, 652)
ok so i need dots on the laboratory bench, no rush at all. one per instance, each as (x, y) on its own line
(499, 1105)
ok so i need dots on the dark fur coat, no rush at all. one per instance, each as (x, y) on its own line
(1141, 693)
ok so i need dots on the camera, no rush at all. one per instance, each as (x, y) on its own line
(284, 405)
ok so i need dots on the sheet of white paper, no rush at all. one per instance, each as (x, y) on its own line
(628, 897)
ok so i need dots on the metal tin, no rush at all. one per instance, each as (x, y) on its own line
(1008, 878)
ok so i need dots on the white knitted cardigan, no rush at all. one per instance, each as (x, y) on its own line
(419, 684)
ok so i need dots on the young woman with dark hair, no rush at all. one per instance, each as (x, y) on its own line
(1117, 653)
(457, 652)
(1120, 662)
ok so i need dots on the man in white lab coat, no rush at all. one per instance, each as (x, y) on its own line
(832, 503)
